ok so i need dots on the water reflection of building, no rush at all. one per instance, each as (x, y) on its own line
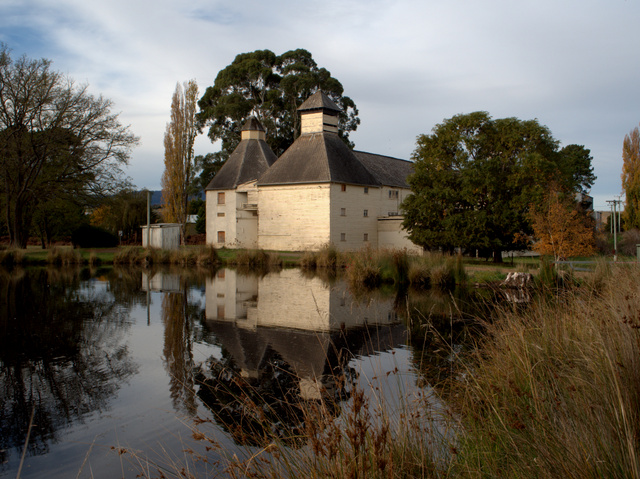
(314, 328)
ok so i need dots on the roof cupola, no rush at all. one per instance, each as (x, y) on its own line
(319, 114)
(252, 130)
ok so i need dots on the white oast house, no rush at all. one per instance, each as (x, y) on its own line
(318, 192)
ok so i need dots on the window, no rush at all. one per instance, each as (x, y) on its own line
(343, 187)
(393, 194)
(220, 214)
(366, 190)
(221, 273)
(366, 237)
(221, 236)
(221, 198)
(343, 236)
(220, 311)
(343, 212)
(366, 213)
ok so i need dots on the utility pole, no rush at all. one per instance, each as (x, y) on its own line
(614, 203)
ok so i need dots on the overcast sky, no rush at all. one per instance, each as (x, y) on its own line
(573, 65)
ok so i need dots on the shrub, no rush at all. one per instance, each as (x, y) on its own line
(88, 236)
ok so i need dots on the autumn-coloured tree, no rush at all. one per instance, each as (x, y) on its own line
(631, 179)
(179, 168)
(561, 229)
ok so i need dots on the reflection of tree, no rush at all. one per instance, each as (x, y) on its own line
(62, 355)
(177, 351)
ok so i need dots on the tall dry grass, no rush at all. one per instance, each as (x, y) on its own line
(555, 391)
(204, 255)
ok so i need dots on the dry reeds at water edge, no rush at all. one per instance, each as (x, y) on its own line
(555, 391)
(200, 256)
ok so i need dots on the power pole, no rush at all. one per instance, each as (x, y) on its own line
(614, 203)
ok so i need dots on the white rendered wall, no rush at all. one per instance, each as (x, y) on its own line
(294, 217)
(221, 217)
(349, 225)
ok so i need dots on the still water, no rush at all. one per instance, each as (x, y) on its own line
(96, 363)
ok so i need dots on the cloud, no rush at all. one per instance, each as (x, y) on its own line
(407, 64)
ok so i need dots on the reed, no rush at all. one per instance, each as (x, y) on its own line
(64, 257)
(553, 392)
(11, 257)
(256, 259)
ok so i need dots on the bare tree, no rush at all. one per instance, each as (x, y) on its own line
(179, 168)
(55, 139)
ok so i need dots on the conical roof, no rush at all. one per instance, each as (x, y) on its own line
(250, 159)
(318, 158)
(319, 101)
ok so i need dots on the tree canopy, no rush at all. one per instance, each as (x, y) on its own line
(56, 140)
(270, 87)
(561, 227)
(631, 178)
(475, 177)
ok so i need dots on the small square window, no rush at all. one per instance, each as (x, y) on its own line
(221, 198)
(221, 236)
(366, 213)
(366, 236)
(343, 187)
(343, 212)
(343, 236)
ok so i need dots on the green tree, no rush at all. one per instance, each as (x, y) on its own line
(55, 138)
(208, 166)
(271, 88)
(56, 218)
(179, 165)
(631, 179)
(474, 179)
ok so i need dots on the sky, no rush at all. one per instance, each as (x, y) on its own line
(407, 64)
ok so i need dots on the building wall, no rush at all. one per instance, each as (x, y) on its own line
(392, 236)
(246, 216)
(350, 228)
(221, 217)
(294, 217)
(237, 217)
(390, 200)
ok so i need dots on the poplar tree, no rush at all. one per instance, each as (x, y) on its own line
(179, 167)
(631, 178)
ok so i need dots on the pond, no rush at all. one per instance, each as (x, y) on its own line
(104, 372)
